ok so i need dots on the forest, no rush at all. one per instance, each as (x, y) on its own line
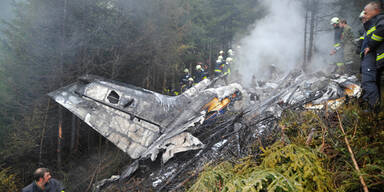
(48, 44)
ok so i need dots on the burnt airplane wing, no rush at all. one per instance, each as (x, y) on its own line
(138, 121)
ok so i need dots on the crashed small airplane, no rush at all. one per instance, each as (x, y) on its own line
(142, 122)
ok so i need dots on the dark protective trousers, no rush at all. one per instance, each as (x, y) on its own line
(369, 79)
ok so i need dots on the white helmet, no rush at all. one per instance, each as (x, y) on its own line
(186, 70)
(230, 52)
(190, 79)
(228, 60)
(220, 58)
(198, 67)
(221, 52)
(362, 14)
(335, 20)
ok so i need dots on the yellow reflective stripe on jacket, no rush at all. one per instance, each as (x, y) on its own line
(337, 45)
(218, 70)
(362, 37)
(339, 64)
(371, 30)
(377, 38)
(380, 57)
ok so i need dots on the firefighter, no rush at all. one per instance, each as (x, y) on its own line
(200, 74)
(219, 66)
(373, 55)
(347, 41)
(188, 85)
(175, 92)
(337, 49)
(167, 91)
(227, 66)
(230, 53)
(184, 80)
(361, 31)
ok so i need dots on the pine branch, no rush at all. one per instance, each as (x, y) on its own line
(352, 155)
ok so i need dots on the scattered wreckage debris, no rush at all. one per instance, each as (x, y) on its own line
(210, 122)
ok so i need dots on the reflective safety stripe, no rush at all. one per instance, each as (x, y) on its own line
(339, 64)
(380, 57)
(377, 38)
(362, 37)
(218, 70)
(349, 62)
(337, 45)
(371, 30)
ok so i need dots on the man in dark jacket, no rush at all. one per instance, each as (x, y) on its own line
(42, 182)
(373, 54)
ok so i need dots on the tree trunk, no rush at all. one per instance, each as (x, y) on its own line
(312, 29)
(305, 38)
(60, 128)
(43, 133)
(59, 138)
(73, 133)
(77, 135)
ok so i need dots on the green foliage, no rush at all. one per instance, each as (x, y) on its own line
(301, 164)
(283, 168)
(365, 132)
(8, 181)
(214, 177)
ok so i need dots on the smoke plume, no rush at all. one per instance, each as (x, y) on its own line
(276, 40)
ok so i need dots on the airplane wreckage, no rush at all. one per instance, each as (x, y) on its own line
(144, 123)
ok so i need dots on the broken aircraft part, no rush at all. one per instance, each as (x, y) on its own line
(138, 121)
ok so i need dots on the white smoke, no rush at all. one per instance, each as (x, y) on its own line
(277, 39)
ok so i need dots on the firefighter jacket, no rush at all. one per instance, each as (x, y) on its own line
(227, 68)
(360, 40)
(338, 34)
(184, 79)
(374, 38)
(219, 67)
(200, 75)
